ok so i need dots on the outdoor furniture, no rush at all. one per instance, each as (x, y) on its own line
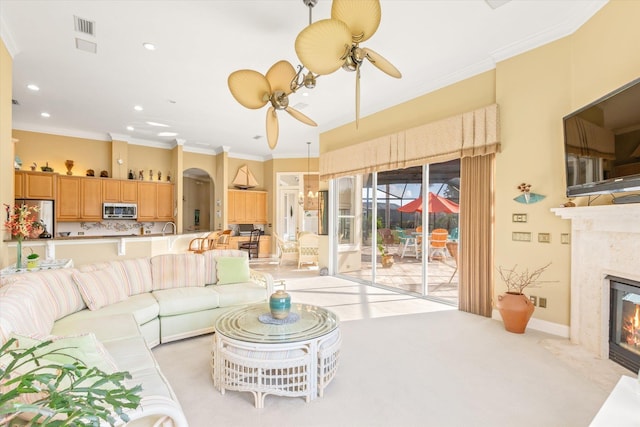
(253, 245)
(438, 243)
(386, 235)
(452, 247)
(308, 249)
(288, 249)
(408, 241)
(296, 358)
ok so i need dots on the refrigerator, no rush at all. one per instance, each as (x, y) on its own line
(45, 212)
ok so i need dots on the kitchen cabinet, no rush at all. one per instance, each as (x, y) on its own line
(35, 185)
(119, 191)
(78, 199)
(155, 201)
(264, 247)
(91, 199)
(68, 198)
(247, 207)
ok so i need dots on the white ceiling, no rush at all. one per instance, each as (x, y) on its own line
(199, 43)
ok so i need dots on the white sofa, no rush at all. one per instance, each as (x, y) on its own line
(131, 306)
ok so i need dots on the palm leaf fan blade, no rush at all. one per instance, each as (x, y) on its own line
(321, 47)
(298, 115)
(272, 128)
(361, 16)
(381, 63)
(280, 75)
(250, 88)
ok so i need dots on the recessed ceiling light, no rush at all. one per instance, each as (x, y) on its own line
(44, 114)
(305, 93)
(130, 128)
(167, 134)
(162, 125)
(149, 46)
(138, 108)
(33, 87)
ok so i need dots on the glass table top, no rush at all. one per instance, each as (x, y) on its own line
(243, 324)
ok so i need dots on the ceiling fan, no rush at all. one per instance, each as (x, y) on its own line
(329, 44)
(254, 90)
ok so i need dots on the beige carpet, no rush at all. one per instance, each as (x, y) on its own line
(436, 367)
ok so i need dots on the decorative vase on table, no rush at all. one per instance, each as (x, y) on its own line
(516, 310)
(280, 304)
(19, 253)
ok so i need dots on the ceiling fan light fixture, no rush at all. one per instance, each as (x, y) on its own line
(309, 82)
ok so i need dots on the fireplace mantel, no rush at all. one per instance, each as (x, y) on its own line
(605, 240)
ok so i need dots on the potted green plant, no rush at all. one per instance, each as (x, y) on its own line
(46, 392)
(386, 257)
(33, 260)
(514, 306)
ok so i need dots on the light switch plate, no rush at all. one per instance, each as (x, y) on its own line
(565, 238)
(521, 236)
(519, 217)
(544, 238)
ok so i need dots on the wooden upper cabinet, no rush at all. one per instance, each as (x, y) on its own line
(119, 191)
(165, 202)
(68, 198)
(247, 207)
(147, 201)
(91, 202)
(35, 185)
(155, 201)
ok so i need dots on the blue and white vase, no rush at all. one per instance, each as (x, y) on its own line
(280, 304)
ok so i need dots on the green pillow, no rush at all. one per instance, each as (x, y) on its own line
(232, 270)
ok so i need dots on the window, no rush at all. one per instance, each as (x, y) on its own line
(346, 210)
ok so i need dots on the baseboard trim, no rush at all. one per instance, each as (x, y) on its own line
(540, 325)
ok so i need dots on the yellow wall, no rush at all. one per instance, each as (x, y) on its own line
(256, 168)
(151, 158)
(6, 146)
(43, 147)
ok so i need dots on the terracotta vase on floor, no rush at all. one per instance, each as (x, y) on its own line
(516, 310)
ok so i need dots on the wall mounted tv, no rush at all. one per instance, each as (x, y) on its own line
(602, 144)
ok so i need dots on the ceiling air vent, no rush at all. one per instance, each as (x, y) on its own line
(84, 26)
(15, 102)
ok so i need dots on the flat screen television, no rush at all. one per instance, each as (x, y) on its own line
(602, 144)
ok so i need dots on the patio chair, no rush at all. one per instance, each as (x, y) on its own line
(288, 249)
(407, 241)
(438, 244)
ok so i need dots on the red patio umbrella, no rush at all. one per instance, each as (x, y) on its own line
(437, 204)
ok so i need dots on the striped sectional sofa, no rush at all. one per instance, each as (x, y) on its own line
(126, 307)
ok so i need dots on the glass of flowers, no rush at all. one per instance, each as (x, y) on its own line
(22, 223)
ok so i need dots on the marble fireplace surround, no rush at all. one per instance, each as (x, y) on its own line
(605, 240)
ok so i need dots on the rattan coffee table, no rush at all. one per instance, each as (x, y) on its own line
(295, 359)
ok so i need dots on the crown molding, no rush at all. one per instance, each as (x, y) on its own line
(7, 38)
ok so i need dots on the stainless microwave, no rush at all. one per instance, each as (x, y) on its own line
(119, 211)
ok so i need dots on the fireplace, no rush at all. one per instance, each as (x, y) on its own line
(624, 322)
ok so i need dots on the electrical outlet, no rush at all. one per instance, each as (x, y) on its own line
(80, 233)
(544, 238)
(543, 303)
(518, 217)
(534, 299)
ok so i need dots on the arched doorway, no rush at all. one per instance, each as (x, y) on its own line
(197, 201)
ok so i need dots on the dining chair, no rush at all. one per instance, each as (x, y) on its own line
(438, 244)
(253, 245)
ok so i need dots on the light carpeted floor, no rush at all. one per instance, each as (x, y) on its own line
(409, 362)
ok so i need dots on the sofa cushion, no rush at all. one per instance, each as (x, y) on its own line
(240, 293)
(232, 270)
(131, 354)
(84, 348)
(26, 309)
(186, 300)
(136, 272)
(210, 267)
(102, 287)
(177, 271)
(59, 289)
(105, 327)
(143, 307)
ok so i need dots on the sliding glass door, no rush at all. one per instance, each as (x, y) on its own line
(391, 218)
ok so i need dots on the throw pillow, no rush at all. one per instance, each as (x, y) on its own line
(101, 287)
(232, 270)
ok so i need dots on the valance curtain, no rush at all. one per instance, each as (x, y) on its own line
(469, 134)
